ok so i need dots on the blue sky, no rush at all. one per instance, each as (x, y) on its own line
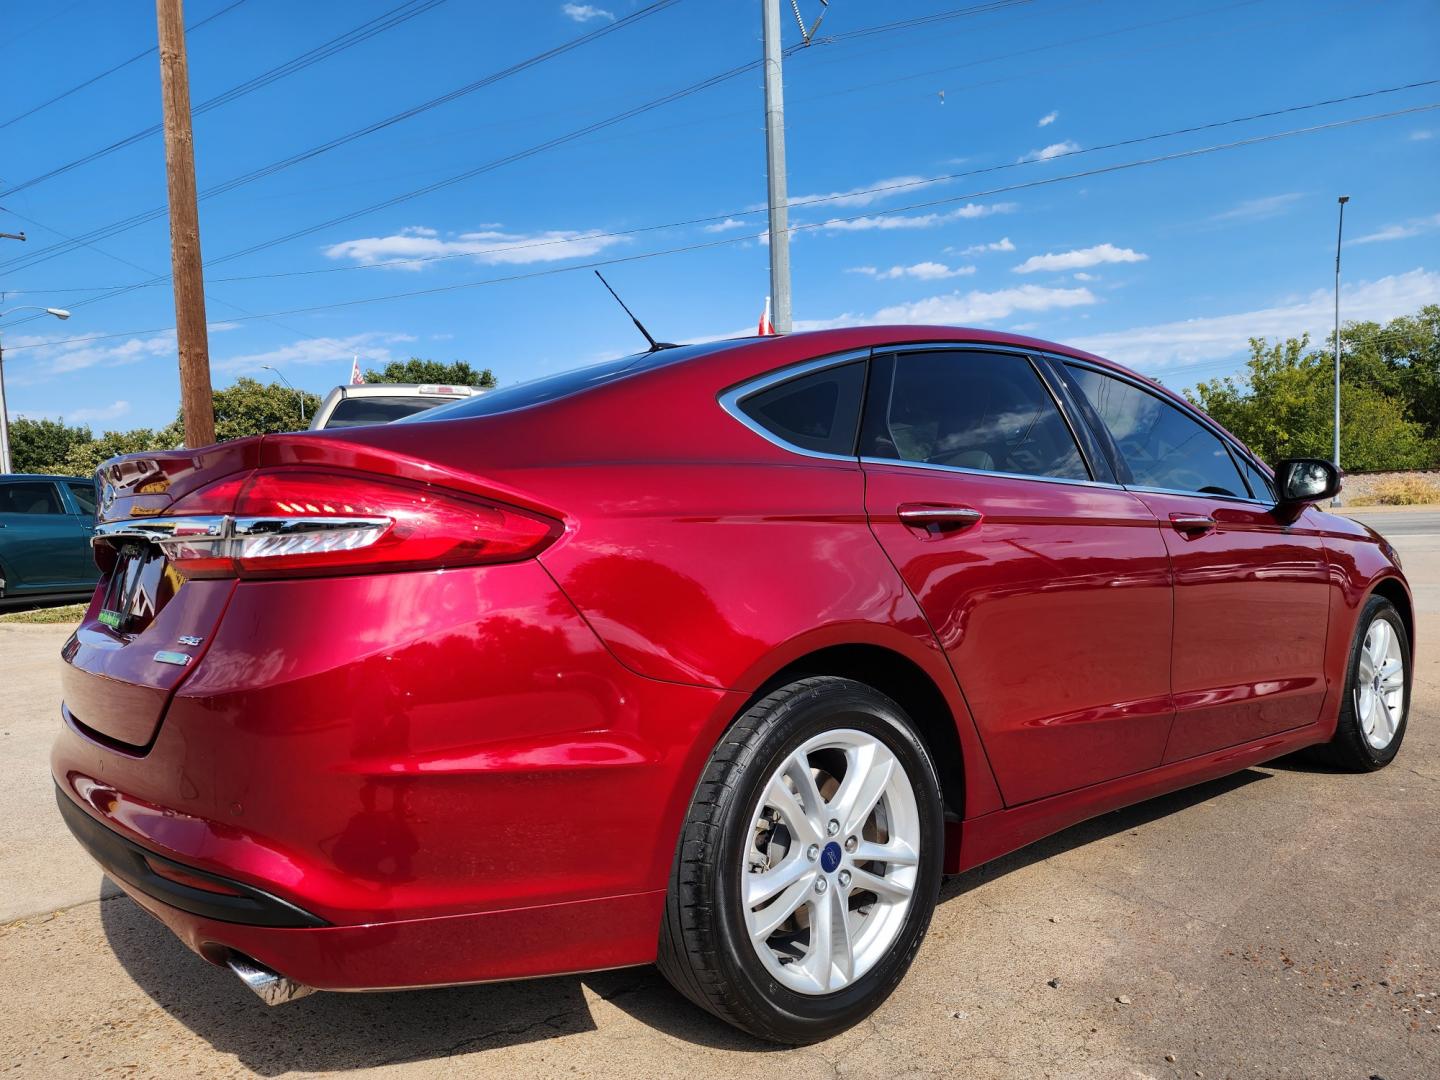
(1168, 267)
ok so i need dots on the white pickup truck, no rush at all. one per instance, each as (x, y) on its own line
(380, 403)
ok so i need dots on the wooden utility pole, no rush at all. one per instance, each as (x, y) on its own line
(197, 409)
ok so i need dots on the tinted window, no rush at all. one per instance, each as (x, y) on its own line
(969, 410)
(84, 495)
(354, 411)
(553, 387)
(817, 412)
(1161, 445)
(1260, 485)
(30, 497)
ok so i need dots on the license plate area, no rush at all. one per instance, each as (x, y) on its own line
(141, 583)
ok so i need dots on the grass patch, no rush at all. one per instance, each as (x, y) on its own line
(1402, 491)
(65, 613)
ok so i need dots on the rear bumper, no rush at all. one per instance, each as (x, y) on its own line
(549, 939)
(212, 896)
(447, 774)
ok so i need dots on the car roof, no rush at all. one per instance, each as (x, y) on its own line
(45, 476)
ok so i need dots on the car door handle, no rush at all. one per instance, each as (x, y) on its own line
(938, 518)
(1192, 523)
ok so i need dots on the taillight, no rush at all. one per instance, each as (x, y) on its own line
(285, 522)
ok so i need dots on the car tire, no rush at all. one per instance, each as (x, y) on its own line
(736, 844)
(1371, 728)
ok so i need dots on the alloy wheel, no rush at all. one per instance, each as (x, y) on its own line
(833, 860)
(1380, 684)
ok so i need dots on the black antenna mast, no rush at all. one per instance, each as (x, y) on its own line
(655, 346)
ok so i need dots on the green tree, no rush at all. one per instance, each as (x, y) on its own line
(1400, 359)
(250, 407)
(1284, 408)
(416, 370)
(85, 458)
(43, 446)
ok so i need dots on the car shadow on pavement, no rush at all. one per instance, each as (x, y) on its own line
(1098, 828)
(335, 1032)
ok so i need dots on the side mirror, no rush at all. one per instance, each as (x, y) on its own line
(1306, 480)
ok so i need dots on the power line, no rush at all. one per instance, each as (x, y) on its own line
(112, 70)
(366, 30)
(103, 232)
(800, 204)
(1043, 181)
(125, 224)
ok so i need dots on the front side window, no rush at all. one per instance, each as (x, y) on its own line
(1161, 445)
(1260, 485)
(84, 495)
(818, 412)
(966, 409)
(30, 497)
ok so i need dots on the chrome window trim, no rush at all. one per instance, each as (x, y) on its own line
(1201, 495)
(730, 399)
(902, 463)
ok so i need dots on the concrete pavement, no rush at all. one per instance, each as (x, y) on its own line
(1279, 923)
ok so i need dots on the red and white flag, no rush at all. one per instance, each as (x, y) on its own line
(356, 379)
(766, 326)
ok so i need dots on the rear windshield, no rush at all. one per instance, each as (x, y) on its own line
(355, 411)
(523, 395)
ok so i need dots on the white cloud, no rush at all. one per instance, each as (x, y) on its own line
(1003, 244)
(413, 245)
(372, 346)
(1054, 150)
(1413, 227)
(726, 225)
(1421, 136)
(585, 12)
(1259, 209)
(916, 221)
(1049, 118)
(103, 412)
(866, 195)
(1082, 257)
(924, 271)
(1215, 337)
(977, 307)
(48, 355)
(1082, 276)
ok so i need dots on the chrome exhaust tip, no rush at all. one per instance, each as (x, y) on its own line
(270, 986)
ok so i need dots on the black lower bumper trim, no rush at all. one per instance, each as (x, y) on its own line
(127, 861)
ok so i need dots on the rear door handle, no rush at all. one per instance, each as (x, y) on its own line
(938, 518)
(1192, 523)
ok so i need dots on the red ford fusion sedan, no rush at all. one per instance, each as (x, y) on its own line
(716, 657)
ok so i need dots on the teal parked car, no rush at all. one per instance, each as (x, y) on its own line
(45, 527)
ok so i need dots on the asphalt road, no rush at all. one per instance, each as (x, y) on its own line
(1278, 923)
(1400, 522)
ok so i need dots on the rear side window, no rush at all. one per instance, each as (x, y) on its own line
(818, 412)
(84, 495)
(354, 411)
(1162, 446)
(30, 497)
(970, 410)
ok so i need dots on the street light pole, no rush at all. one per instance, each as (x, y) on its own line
(775, 168)
(298, 393)
(59, 313)
(1339, 233)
